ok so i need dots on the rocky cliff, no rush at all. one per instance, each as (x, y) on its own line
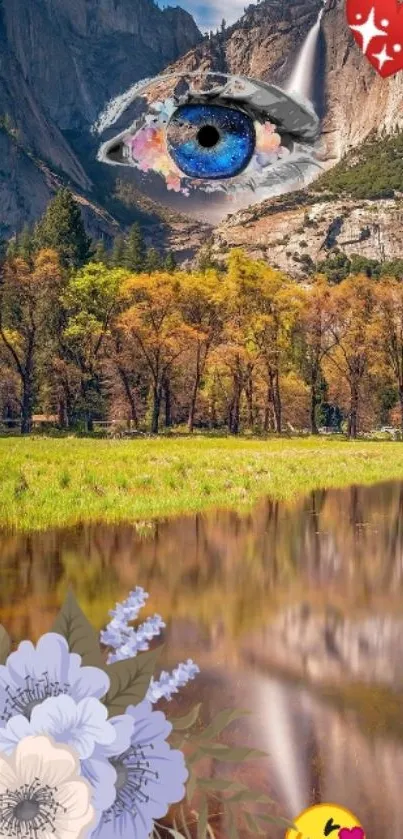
(298, 230)
(353, 102)
(59, 63)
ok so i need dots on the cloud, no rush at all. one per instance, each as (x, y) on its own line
(209, 15)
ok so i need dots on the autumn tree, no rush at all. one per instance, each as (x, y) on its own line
(202, 308)
(28, 298)
(316, 321)
(271, 305)
(354, 303)
(388, 331)
(154, 322)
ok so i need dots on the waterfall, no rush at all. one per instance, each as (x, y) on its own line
(302, 77)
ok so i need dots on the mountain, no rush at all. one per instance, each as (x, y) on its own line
(59, 63)
(356, 206)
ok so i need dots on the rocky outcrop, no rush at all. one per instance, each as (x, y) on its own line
(286, 231)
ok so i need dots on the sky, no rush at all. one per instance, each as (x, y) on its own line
(209, 15)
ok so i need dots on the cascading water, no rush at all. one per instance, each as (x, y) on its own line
(302, 78)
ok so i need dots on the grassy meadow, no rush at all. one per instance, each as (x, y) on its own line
(47, 482)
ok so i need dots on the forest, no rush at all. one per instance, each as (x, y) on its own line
(88, 337)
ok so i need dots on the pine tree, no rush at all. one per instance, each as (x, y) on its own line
(205, 257)
(135, 251)
(100, 253)
(12, 248)
(26, 243)
(170, 262)
(62, 229)
(118, 252)
(153, 261)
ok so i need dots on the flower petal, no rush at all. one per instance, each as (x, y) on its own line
(149, 725)
(16, 729)
(102, 778)
(123, 725)
(39, 757)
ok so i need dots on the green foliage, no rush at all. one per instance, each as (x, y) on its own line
(153, 261)
(170, 264)
(80, 635)
(134, 253)
(101, 253)
(130, 680)
(374, 170)
(62, 229)
(118, 252)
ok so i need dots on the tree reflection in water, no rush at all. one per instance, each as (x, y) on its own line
(219, 580)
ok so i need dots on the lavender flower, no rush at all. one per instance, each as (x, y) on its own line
(136, 640)
(127, 642)
(124, 639)
(168, 684)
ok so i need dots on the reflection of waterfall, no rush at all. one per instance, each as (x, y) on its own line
(283, 739)
(302, 78)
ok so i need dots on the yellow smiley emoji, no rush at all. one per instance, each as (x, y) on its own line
(326, 820)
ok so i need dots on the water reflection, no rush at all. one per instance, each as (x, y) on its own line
(314, 588)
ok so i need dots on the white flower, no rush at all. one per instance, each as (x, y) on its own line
(41, 793)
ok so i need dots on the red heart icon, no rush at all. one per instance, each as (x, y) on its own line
(377, 26)
(351, 833)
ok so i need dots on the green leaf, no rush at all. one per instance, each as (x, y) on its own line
(232, 828)
(278, 820)
(185, 827)
(221, 721)
(237, 754)
(130, 680)
(182, 723)
(191, 786)
(218, 784)
(249, 795)
(176, 741)
(252, 824)
(79, 633)
(5, 645)
(202, 821)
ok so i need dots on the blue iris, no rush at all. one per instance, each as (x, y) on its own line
(210, 141)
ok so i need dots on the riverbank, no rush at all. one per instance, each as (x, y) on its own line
(48, 482)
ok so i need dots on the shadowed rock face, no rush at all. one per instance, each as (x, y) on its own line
(77, 55)
(59, 63)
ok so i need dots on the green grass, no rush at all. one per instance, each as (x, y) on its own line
(56, 482)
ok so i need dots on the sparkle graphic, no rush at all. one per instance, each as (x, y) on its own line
(368, 30)
(382, 57)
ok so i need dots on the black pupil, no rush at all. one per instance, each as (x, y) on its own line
(208, 136)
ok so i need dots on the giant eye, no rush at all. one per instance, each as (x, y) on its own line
(201, 140)
(210, 141)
